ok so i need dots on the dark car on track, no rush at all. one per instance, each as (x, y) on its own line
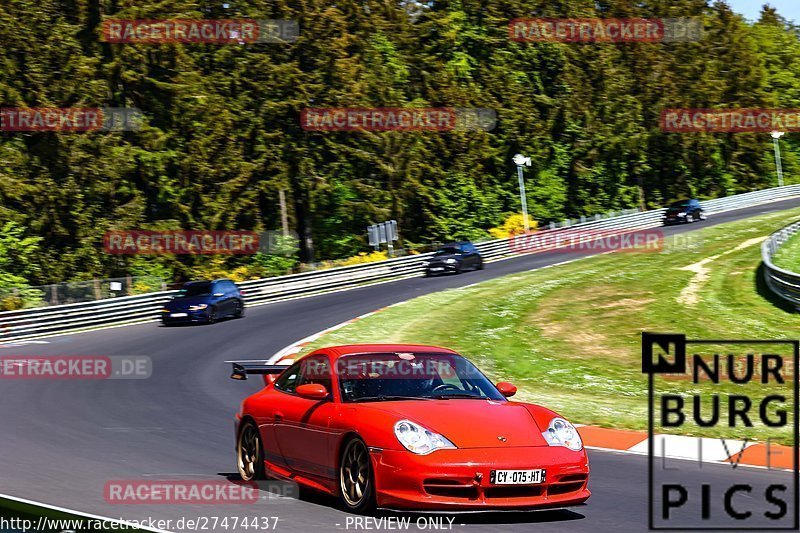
(684, 212)
(454, 257)
(204, 301)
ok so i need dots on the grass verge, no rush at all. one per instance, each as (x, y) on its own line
(21, 517)
(569, 336)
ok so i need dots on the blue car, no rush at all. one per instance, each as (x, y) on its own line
(204, 302)
(684, 212)
(455, 258)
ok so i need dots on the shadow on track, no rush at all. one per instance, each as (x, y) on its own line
(286, 489)
(493, 517)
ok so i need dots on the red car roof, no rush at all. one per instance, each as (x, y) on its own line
(339, 351)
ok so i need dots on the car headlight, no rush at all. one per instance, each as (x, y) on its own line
(562, 433)
(681, 214)
(450, 261)
(419, 440)
(165, 310)
(198, 307)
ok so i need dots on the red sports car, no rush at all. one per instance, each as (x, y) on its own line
(406, 427)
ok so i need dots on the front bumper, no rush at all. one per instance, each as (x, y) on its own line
(191, 316)
(441, 268)
(459, 479)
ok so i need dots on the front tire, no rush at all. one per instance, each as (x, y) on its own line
(239, 313)
(250, 453)
(212, 315)
(356, 481)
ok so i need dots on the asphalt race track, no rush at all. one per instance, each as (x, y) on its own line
(61, 441)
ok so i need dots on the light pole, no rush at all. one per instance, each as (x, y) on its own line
(521, 161)
(775, 136)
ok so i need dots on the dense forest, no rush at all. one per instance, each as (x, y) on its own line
(222, 140)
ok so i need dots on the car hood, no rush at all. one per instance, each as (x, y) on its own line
(469, 423)
(442, 257)
(184, 303)
(675, 210)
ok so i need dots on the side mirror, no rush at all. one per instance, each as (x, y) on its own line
(312, 391)
(219, 294)
(506, 389)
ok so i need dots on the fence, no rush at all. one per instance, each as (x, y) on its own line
(784, 283)
(71, 292)
(30, 323)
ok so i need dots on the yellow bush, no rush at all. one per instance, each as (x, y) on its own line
(216, 269)
(513, 225)
(364, 257)
(11, 303)
(142, 288)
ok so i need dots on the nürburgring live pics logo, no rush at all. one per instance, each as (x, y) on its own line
(741, 396)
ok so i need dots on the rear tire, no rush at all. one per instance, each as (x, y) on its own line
(250, 453)
(356, 480)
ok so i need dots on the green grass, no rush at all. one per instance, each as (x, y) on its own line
(24, 515)
(569, 336)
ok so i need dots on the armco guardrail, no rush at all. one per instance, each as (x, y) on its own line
(31, 323)
(784, 283)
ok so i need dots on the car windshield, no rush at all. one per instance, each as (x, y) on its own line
(400, 376)
(682, 203)
(447, 250)
(194, 289)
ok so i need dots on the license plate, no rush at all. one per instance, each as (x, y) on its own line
(178, 315)
(437, 269)
(516, 477)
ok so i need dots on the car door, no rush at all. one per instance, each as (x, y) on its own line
(698, 209)
(217, 298)
(461, 257)
(303, 429)
(271, 410)
(230, 297)
(225, 305)
(476, 257)
(469, 255)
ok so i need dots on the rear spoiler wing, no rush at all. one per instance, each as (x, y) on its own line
(241, 369)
